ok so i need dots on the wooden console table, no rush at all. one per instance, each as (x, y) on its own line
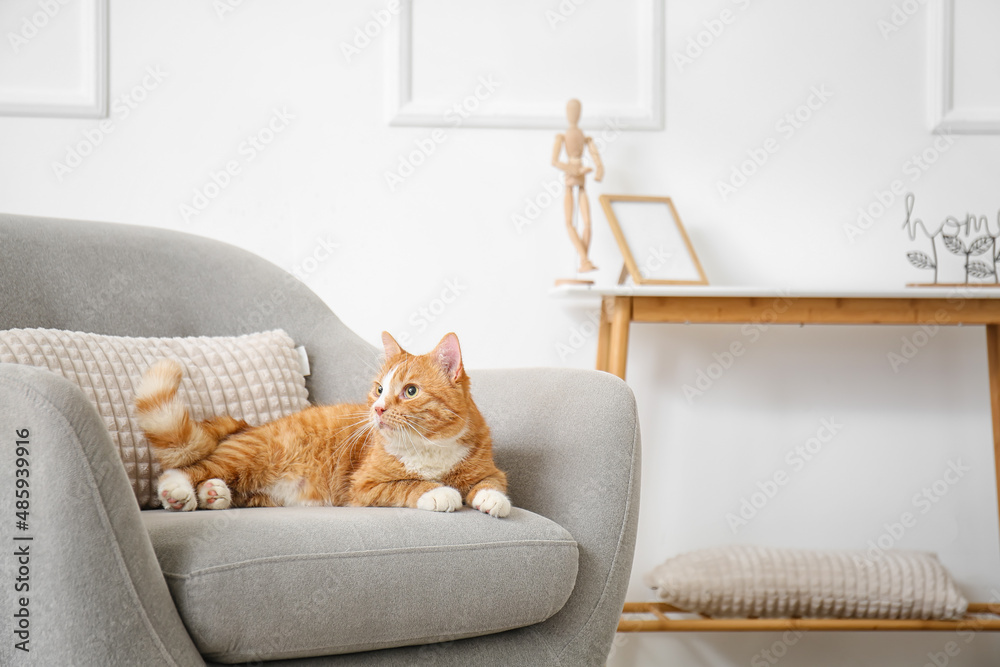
(737, 305)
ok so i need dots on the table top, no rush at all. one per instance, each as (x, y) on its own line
(963, 292)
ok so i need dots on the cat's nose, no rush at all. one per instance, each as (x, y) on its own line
(379, 410)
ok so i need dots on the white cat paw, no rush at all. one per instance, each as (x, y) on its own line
(441, 499)
(175, 491)
(492, 502)
(213, 494)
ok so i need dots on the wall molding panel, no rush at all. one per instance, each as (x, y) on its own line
(944, 116)
(87, 95)
(644, 112)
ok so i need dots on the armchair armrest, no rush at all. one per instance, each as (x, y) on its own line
(90, 588)
(569, 442)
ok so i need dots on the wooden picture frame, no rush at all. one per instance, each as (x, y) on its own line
(666, 254)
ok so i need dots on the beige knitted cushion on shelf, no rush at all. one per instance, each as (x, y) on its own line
(257, 377)
(746, 581)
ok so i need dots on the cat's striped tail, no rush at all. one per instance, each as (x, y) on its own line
(177, 439)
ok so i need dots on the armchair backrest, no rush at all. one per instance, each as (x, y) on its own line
(141, 281)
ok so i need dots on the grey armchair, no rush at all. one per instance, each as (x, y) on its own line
(97, 593)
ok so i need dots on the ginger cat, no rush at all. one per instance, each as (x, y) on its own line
(419, 442)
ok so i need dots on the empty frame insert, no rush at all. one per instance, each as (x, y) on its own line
(652, 240)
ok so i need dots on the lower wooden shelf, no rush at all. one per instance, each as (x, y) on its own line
(980, 617)
(623, 306)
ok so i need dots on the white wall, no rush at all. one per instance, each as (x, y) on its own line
(321, 181)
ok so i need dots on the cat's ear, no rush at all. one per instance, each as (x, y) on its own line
(392, 348)
(448, 355)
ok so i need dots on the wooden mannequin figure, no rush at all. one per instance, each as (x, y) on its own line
(576, 175)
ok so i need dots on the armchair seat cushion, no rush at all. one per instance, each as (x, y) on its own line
(271, 583)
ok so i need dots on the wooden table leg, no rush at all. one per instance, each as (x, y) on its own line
(621, 316)
(993, 361)
(604, 333)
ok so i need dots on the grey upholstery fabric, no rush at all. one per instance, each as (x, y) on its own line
(347, 579)
(127, 280)
(95, 594)
(569, 442)
(568, 439)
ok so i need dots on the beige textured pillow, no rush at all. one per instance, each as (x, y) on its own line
(757, 581)
(256, 377)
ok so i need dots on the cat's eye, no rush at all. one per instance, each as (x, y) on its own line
(378, 389)
(410, 390)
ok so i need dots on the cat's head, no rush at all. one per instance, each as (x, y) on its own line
(420, 398)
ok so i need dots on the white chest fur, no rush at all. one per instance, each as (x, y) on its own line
(431, 459)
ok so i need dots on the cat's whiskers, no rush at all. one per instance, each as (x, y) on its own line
(421, 435)
(353, 438)
(414, 428)
(357, 433)
(362, 418)
(414, 421)
(372, 362)
(405, 442)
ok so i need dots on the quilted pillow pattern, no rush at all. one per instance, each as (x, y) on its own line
(256, 377)
(742, 581)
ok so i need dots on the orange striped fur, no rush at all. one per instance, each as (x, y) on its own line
(419, 441)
